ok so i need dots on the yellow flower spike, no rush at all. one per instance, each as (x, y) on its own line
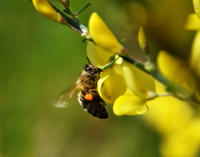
(195, 55)
(129, 104)
(111, 84)
(176, 71)
(142, 39)
(47, 10)
(138, 81)
(174, 119)
(98, 55)
(196, 4)
(193, 22)
(102, 35)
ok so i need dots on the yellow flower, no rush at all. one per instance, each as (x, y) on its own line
(138, 81)
(129, 104)
(195, 55)
(196, 4)
(126, 87)
(167, 113)
(102, 35)
(98, 55)
(111, 78)
(171, 117)
(106, 44)
(176, 71)
(142, 40)
(193, 22)
(176, 122)
(122, 84)
(47, 10)
(184, 142)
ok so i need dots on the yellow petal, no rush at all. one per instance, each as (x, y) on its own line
(160, 88)
(175, 70)
(98, 55)
(195, 55)
(111, 84)
(102, 35)
(142, 39)
(195, 60)
(129, 104)
(193, 22)
(184, 142)
(168, 114)
(137, 81)
(196, 4)
(47, 10)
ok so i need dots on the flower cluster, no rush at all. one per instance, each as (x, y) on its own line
(173, 118)
(169, 86)
(127, 83)
(122, 84)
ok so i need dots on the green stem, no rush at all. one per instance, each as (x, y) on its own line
(71, 20)
(109, 64)
(175, 90)
(155, 73)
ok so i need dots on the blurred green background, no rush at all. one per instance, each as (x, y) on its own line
(38, 60)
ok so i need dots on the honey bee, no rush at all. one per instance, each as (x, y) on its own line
(88, 96)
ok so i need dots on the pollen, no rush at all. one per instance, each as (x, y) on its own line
(88, 97)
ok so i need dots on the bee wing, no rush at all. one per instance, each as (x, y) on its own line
(67, 96)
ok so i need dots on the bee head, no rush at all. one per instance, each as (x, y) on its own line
(90, 68)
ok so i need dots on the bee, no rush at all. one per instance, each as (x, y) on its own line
(88, 96)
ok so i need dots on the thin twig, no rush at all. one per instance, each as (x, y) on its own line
(84, 8)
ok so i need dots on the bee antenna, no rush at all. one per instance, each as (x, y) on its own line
(88, 60)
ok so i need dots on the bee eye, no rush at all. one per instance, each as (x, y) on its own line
(88, 69)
